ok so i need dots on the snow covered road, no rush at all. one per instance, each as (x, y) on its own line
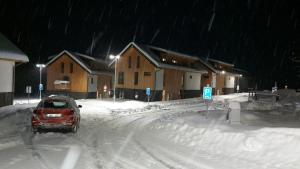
(131, 134)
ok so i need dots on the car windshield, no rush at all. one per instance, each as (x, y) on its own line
(55, 104)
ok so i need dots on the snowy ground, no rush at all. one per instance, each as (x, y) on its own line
(174, 134)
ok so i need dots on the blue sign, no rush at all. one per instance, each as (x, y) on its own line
(148, 91)
(207, 93)
(41, 87)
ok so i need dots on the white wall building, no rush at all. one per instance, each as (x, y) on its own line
(9, 56)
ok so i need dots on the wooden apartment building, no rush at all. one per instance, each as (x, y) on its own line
(79, 76)
(171, 75)
(223, 77)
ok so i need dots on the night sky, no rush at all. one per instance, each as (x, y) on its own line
(258, 36)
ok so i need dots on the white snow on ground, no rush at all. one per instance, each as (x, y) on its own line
(174, 134)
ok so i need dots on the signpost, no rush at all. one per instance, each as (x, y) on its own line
(207, 96)
(148, 93)
(28, 91)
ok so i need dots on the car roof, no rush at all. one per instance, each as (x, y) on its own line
(58, 98)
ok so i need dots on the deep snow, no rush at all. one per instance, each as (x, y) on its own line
(173, 134)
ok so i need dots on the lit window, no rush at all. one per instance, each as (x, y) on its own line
(163, 59)
(174, 61)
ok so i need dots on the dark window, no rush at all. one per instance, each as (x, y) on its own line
(54, 104)
(66, 78)
(147, 73)
(138, 61)
(129, 62)
(121, 78)
(71, 67)
(205, 76)
(62, 68)
(136, 78)
(191, 77)
(164, 82)
(92, 80)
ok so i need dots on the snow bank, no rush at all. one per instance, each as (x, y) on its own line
(269, 146)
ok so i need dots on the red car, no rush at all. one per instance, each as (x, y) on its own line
(58, 112)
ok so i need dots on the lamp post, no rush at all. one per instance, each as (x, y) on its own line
(238, 85)
(41, 66)
(115, 59)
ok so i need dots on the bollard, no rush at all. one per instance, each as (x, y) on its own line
(234, 113)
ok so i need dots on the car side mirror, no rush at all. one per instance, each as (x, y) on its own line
(79, 106)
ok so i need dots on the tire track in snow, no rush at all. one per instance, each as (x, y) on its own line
(153, 156)
(27, 136)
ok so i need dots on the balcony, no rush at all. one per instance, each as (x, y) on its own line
(62, 85)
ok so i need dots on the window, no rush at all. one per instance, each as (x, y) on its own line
(174, 61)
(138, 61)
(92, 80)
(71, 67)
(136, 78)
(66, 78)
(164, 82)
(62, 68)
(121, 78)
(54, 104)
(129, 62)
(163, 59)
(191, 77)
(147, 73)
(205, 76)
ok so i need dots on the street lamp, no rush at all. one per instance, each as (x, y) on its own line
(115, 59)
(41, 66)
(238, 85)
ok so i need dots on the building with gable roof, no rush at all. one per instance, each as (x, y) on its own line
(78, 75)
(10, 56)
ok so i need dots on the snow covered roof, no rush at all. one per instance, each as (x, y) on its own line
(150, 52)
(221, 62)
(9, 51)
(90, 64)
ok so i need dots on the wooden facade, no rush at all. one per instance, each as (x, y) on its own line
(169, 74)
(68, 75)
(78, 78)
(136, 72)
(173, 84)
(128, 63)
(104, 86)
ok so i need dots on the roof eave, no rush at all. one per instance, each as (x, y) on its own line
(72, 56)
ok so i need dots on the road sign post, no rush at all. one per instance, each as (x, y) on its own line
(28, 91)
(148, 93)
(41, 88)
(207, 96)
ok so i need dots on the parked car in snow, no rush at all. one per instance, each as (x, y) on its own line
(57, 112)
